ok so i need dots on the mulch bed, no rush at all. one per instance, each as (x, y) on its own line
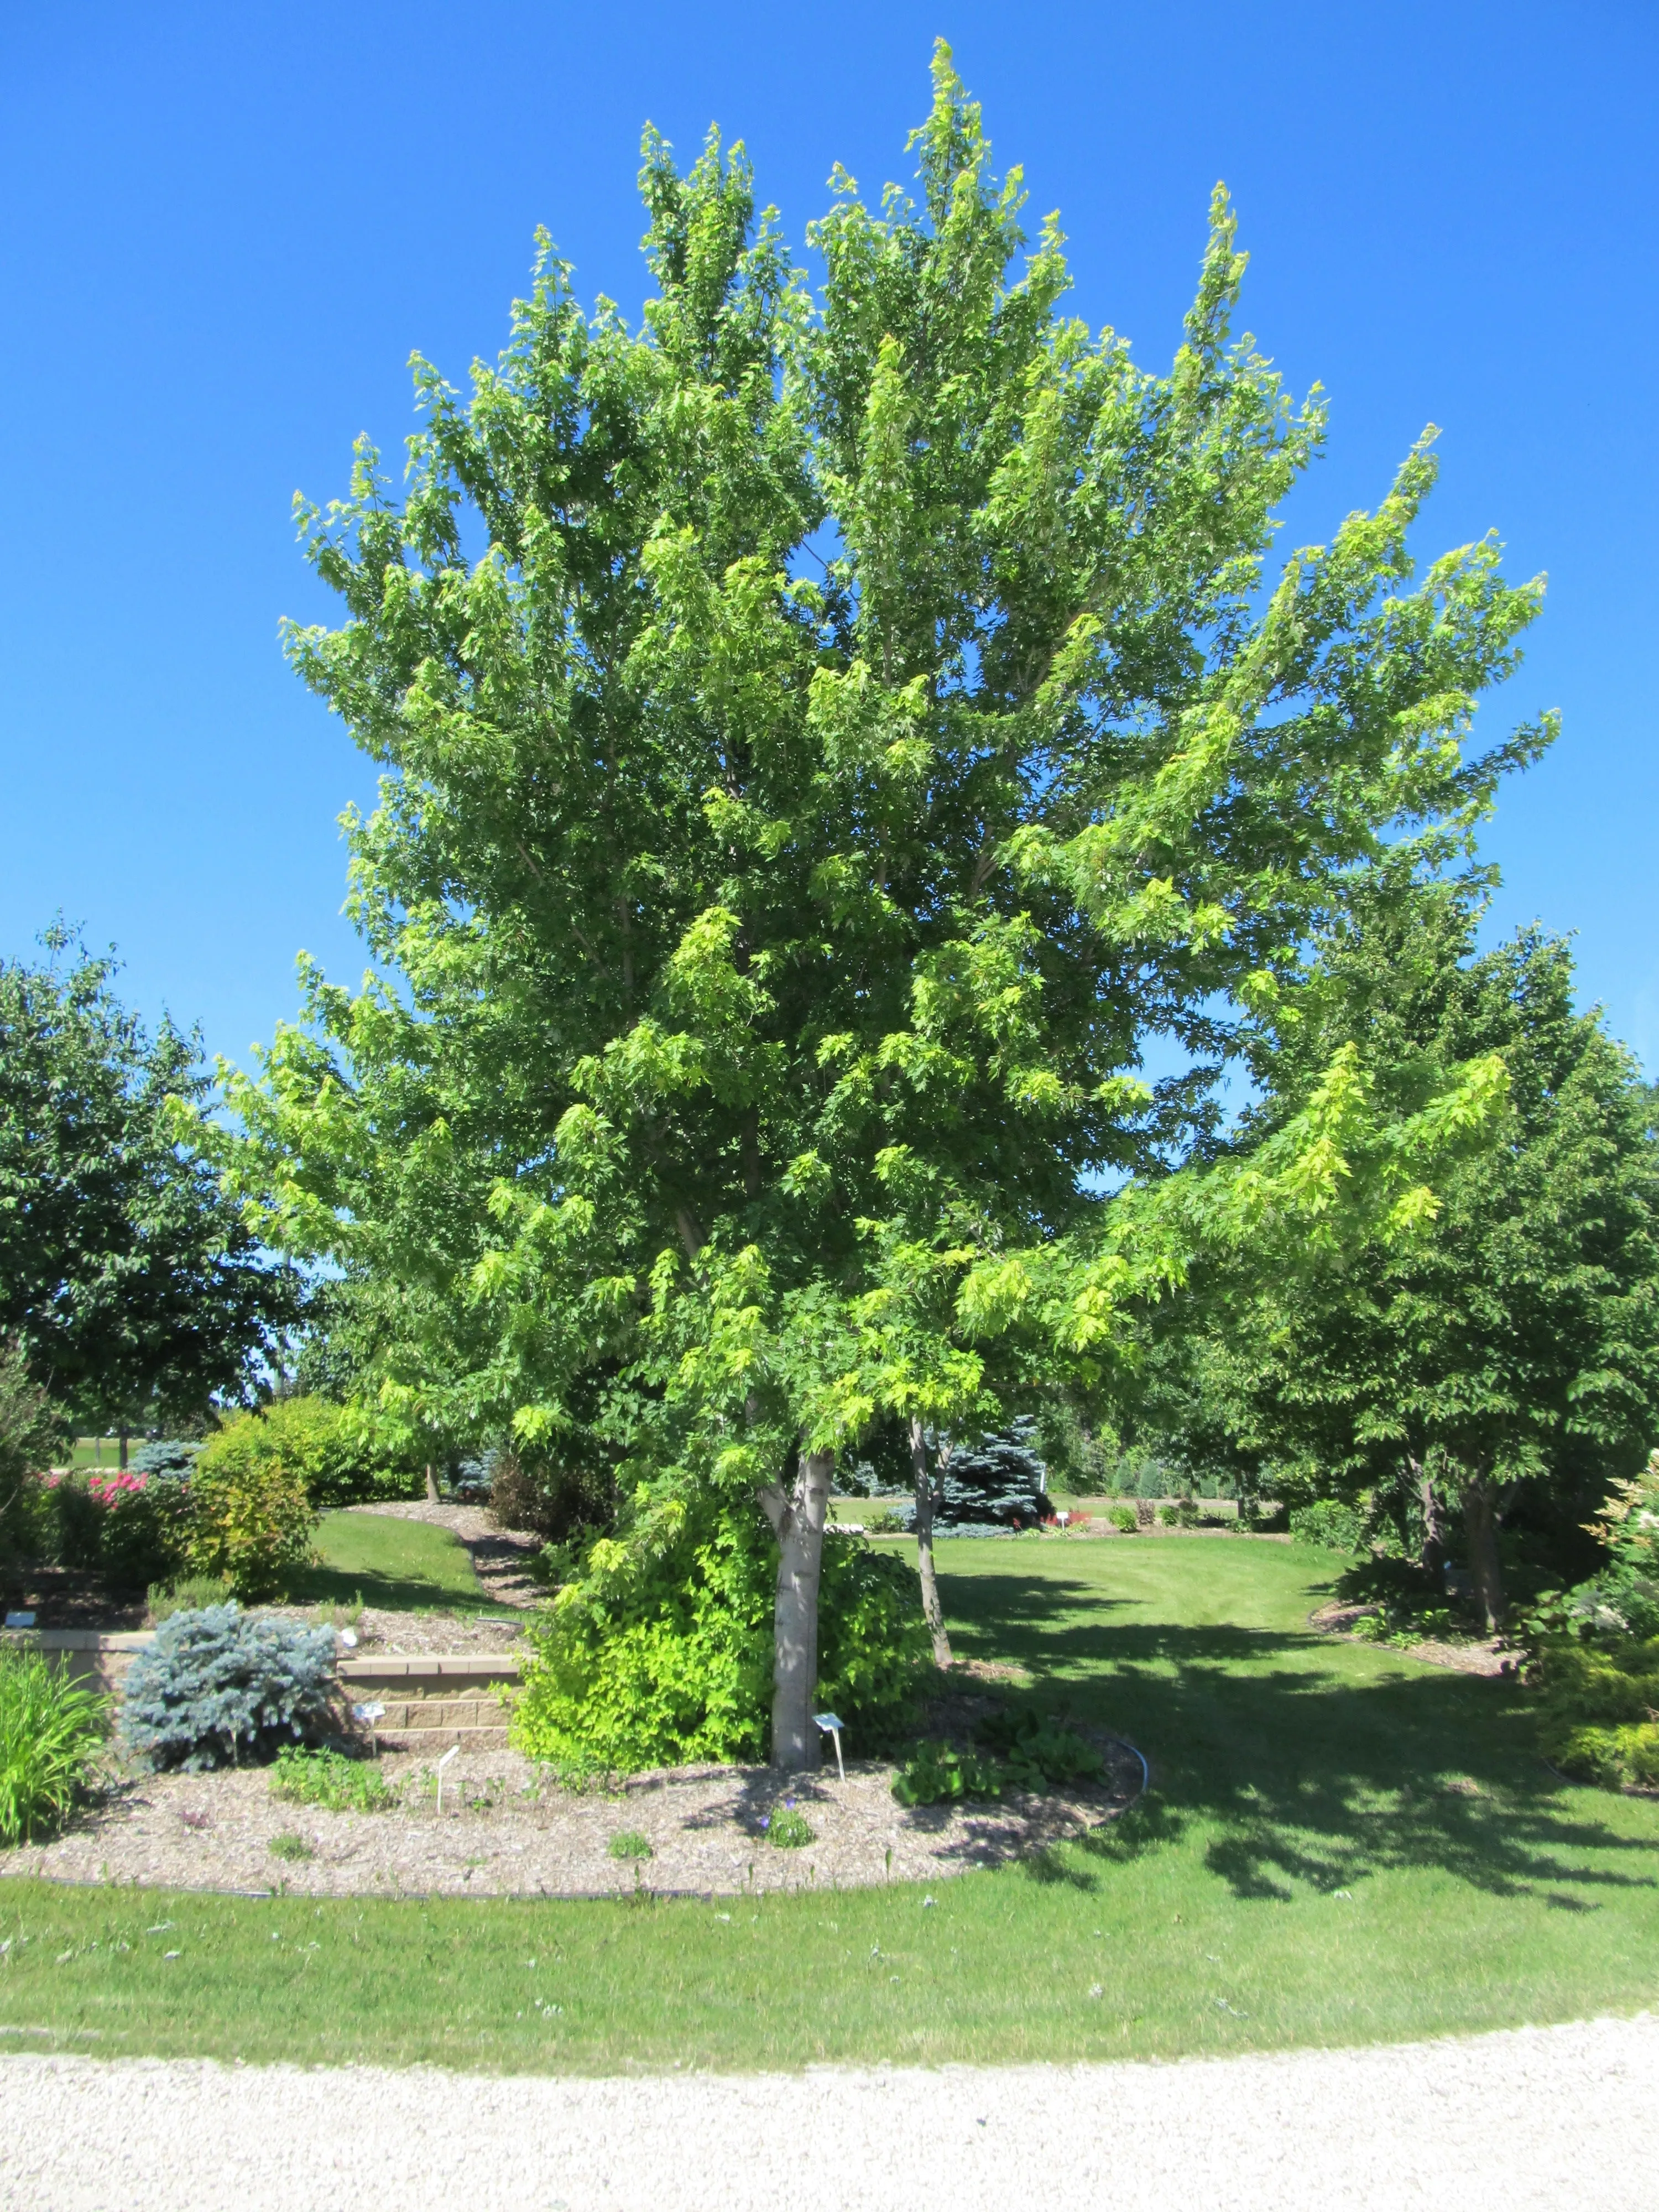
(505, 1831)
(1488, 1654)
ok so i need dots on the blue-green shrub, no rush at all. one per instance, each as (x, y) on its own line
(220, 1687)
(641, 1663)
(998, 1484)
(172, 1457)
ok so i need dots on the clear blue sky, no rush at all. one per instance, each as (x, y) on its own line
(224, 230)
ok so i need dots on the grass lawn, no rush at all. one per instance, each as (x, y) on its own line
(1340, 1845)
(404, 1566)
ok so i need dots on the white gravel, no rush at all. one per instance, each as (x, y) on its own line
(1553, 2119)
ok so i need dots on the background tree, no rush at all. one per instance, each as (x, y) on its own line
(864, 725)
(124, 1271)
(1509, 1358)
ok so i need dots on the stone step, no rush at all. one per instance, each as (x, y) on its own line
(423, 1713)
(439, 1676)
(430, 1740)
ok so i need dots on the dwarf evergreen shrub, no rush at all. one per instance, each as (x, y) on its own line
(221, 1687)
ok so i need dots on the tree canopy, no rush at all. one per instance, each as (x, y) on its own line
(826, 734)
(127, 1276)
(1512, 1347)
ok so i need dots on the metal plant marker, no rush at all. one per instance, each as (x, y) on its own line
(370, 1714)
(831, 1723)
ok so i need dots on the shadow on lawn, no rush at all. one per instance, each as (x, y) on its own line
(1292, 1769)
(343, 1586)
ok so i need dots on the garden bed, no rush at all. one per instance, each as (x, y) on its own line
(1485, 1654)
(506, 1830)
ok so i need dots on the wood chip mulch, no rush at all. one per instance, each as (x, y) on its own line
(505, 1831)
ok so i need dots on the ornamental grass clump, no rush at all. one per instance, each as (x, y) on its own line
(51, 1728)
(219, 1688)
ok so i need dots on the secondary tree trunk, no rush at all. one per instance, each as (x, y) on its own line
(797, 1519)
(431, 1484)
(121, 1453)
(932, 1609)
(1481, 1514)
(1432, 1555)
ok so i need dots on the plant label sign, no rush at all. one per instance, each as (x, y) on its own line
(831, 1723)
(20, 1620)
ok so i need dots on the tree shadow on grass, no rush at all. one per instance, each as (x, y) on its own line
(1298, 1767)
(343, 1586)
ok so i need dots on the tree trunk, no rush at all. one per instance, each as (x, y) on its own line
(798, 1520)
(121, 1449)
(1480, 1527)
(431, 1484)
(1432, 1556)
(932, 1609)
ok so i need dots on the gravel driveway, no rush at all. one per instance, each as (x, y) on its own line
(1552, 2118)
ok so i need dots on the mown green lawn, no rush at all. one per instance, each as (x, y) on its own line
(1340, 1845)
(401, 1566)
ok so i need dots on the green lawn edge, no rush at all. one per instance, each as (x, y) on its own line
(1341, 1846)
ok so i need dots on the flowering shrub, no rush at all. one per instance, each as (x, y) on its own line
(650, 1663)
(218, 1686)
(128, 1527)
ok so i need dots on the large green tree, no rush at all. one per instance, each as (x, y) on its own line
(127, 1275)
(1511, 1353)
(825, 734)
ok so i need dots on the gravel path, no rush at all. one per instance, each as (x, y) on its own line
(1535, 2120)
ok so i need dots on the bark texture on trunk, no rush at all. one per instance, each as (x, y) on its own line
(798, 1520)
(932, 1611)
(121, 1455)
(1432, 1506)
(431, 1484)
(1480, 1516)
